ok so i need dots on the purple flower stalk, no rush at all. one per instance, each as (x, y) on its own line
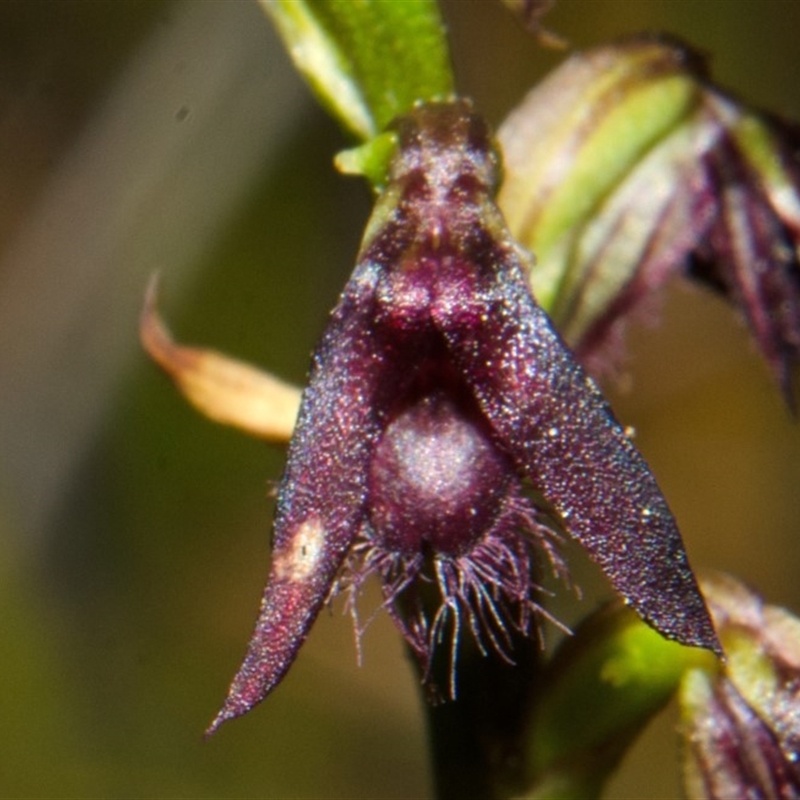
(439, 389)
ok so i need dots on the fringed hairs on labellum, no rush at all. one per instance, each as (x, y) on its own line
(438, 389)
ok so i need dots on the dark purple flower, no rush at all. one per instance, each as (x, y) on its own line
(439, 388)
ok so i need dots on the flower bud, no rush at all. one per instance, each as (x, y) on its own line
(627, 165)
(741, 724)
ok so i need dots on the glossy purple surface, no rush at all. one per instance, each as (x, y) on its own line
(438, 387)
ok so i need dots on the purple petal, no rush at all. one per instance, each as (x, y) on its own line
(321, 499)
(731, 751)
(752, 252)
(647, 216)
(550, 417)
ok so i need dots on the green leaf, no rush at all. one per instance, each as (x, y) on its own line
(370, 159)
(599, 691)
(367, 60)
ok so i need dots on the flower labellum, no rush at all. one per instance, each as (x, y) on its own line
(438, 388)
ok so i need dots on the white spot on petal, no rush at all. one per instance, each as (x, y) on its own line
(301, 555)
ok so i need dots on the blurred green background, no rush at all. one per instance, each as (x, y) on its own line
(173, 136)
